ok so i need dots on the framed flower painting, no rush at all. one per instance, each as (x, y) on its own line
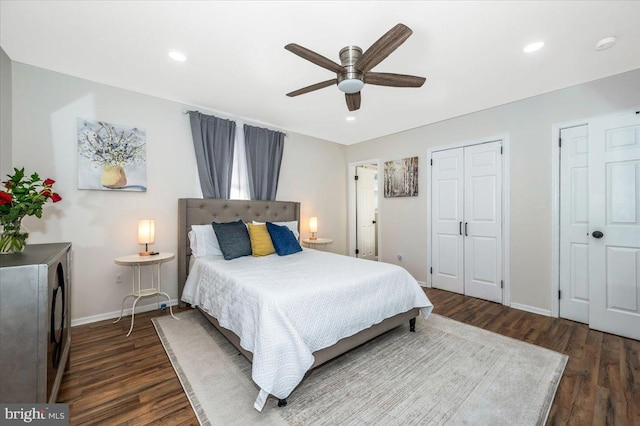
(111, 156)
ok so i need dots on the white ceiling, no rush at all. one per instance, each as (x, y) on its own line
(470, 53)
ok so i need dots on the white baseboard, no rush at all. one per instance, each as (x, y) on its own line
(116, 314)
(532, 309)
(423, 284)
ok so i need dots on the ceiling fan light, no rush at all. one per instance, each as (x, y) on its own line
(351, 85)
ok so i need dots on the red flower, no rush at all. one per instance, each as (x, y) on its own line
(5, 198)
(25, 195)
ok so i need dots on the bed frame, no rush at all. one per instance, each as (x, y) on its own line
(198, 211)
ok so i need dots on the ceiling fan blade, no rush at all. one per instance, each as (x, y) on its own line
(383, 47)
(353, 100)
(314, 57)
(393, 80)
(313, 87)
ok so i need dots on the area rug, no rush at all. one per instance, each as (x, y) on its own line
(445, 373)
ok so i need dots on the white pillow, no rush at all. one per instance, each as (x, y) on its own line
(293, 225)
(203, 241)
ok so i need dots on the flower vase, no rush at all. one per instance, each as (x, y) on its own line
(113, 177)
(13, 237)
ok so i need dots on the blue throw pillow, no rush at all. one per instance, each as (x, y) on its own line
(233, 238)
(284, 241)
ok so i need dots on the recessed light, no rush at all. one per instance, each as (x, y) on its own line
(530, 48)
(605, 43)
(177, 56)
(350, 118)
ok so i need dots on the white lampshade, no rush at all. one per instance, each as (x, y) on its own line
(313, 224)
(351, 85)
(146, 231)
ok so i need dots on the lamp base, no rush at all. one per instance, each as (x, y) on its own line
(145, 253)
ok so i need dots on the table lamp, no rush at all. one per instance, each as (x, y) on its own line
(146, 234)
(313, 227)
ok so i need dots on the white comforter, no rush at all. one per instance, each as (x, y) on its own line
(285, 308)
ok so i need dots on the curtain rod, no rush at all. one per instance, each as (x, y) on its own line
(186, 111)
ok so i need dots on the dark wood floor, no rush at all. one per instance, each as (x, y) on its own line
(114, 379)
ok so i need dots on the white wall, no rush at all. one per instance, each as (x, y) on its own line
(5, 115)
(102, 224)
(529, 122)
(314, 173)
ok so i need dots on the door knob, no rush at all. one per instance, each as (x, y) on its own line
(597, 234)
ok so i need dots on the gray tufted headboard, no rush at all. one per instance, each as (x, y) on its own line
(200, 211)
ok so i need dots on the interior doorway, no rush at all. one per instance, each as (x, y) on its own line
(364, 218)
(468, 226)
(598, 223)
(466, 220)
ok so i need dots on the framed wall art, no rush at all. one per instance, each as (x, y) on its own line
(111, 156)
(401, 178)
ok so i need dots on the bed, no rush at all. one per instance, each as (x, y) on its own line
(283, 337)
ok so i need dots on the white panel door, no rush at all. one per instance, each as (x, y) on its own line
(614, 211)
(365, 215)
(447, 182)
(574, 224)
(482, 227)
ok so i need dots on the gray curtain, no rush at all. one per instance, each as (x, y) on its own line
(213, 140)
(264, 149)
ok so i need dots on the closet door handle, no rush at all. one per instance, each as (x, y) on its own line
(465, 229)
(460, 228)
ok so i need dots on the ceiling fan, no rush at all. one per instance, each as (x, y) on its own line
(355, 70)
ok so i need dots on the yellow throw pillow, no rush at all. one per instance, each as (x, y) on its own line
(261, 244)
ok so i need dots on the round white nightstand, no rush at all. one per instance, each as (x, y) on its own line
(317, 242)
(137, 262)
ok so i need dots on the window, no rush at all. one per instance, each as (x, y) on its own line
(239, 177)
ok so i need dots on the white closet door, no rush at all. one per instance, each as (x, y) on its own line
(574, 224)
(446, 222)
(483, 221)
(614, 211)
(365, 186)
